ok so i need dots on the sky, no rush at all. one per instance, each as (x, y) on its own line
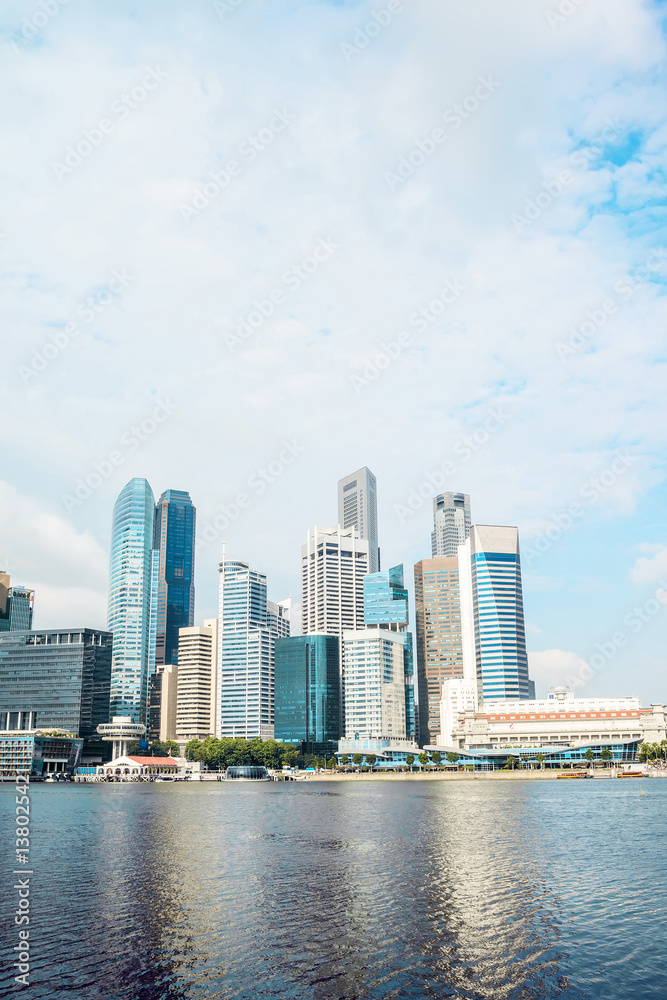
(250, 246)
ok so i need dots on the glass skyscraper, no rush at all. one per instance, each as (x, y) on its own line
(245, 688)
(130, 598)
(16, 606)
(308, 692)
(56, 679)
(174, 543)
(386, 599)
(497, 596)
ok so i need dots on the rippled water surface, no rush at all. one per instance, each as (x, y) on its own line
(420, 889)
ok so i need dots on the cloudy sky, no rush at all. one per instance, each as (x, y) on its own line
(250, 246)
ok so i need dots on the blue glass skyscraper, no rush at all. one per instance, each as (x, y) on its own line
(308, 692)
(174, 543)
(497, 599)
(130, 598)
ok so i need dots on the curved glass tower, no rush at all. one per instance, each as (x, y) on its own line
(129, 610)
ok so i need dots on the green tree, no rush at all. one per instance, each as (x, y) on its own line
(357, 759)
(370, 760)
(423, 759)
(345, 760)
(192, 749)
(540, 758)
(590, 756)
(331, 763)
(453, 758)
(606, 755)
(133, 749)
(166, 748)
(290, 757)
(409, 760)
(436, 757)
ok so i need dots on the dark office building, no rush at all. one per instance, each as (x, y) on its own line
(175, 522)
(56, 679)
(307, 692)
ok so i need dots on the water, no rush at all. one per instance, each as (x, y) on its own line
(364, 890)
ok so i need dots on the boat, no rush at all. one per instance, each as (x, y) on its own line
(575, 774)
(630, 774)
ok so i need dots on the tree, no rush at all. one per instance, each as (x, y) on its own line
(345, 760)
(370, 760)
(290, 758)
(453, 758)
(540, 758)
(423, 759)
(589, 755)
(166, 748)
(331, 763)
(192, 749)
(357, 759)
(409, 760)
(606, 754)
(436, 757)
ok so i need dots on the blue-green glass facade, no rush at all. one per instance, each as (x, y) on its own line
(129, 607)
(307, 706)
(174, 543)
(500, 637)
(17, 614)
(385, 598)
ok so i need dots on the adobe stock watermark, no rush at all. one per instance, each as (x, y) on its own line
(264, 308)
(31, 26)
(625, 288)
(565, 9)
(22, 884)
(464, 449)
(91, 307)
(248, 149)
(551, 190)
(225, 7)
(591, 491)
(120, 109)
(130, 441)
(364, 35)
(256, 484)
(420, 320)
(454, 117)
(635, 621)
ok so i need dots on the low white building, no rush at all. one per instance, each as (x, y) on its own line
(560, 718)
(458, 695)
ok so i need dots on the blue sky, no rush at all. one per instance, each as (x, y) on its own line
(302, 237)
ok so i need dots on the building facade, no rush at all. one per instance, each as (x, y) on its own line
(451, 523)
(162, 702)
(459, 694)
(56, 679)
(439, 636)
(174, 544)
(16, 606)
(197, 680)
(37, 754)
(278, 617)
(307, 683)
(334, 562)
(501, 659)
(129, 606)
(374, 672)
(357, 508)
(245, 685)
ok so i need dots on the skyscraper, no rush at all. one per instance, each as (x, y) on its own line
(334, 562)
(439, 638)
(357, 508)
(130, 598)
(451, 523)
(375, 702)
(497, 596)
(174, 543)
(246, 644)
(278, 615)
(16, 606)
(197, 681)
(386, 605)
(308, 692)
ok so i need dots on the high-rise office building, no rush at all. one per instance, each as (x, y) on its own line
(174, 543)
(386, 606)
(129, 607)
(16, 606)
(334, 562)
(197, 680)
(439, 637)
(56, 679)
(501, 659)
(308, 693)
(278, 616)
(162, 702)
(374, 670)
(451, 523)
(246, 644)
(357, 508)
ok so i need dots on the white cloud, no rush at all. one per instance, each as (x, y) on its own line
(651, 569)
(553, 667)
